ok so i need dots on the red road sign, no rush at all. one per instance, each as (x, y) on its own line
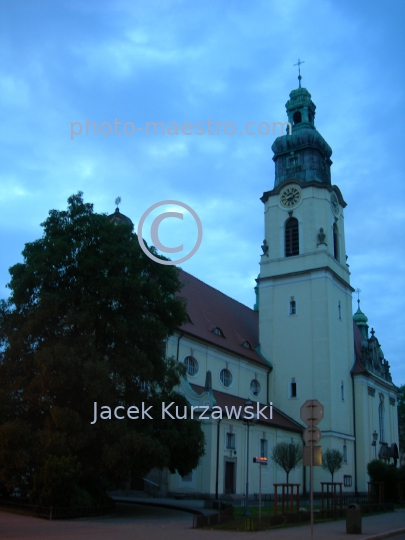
(311, 413)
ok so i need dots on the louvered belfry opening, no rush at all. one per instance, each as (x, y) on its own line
(291, 238)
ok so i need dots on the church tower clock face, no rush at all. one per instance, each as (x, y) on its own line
(334, 204)
(290, 196)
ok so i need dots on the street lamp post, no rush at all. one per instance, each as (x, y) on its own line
(217, 471)
(374, 443)
(249, 422)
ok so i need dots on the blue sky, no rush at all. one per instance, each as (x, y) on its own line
(188, 61)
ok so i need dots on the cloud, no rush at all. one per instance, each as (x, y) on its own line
(179, 61)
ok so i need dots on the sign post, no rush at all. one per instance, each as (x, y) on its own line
(311, 413)
(261, 461)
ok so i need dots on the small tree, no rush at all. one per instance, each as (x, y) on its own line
(287, 456)
(332, 461)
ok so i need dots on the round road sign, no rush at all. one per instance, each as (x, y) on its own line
(312, 435)
(311, 412)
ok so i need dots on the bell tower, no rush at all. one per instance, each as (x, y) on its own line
(305, 304)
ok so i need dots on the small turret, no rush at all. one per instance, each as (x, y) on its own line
(361, 320)
(118, 218)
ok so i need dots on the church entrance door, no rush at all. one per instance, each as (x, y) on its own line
(230, 477)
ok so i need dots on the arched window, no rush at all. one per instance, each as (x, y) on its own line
(293, 388)
(263, 448)
(291, 238)
(191, 365)
(293, 306)
(335, 241)
(297, 118)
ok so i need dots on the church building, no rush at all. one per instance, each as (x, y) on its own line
(299, 342)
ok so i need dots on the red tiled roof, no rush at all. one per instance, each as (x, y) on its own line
(280, 420)
(208, 309)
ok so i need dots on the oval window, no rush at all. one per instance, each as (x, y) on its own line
(255, 387)
(226, 377)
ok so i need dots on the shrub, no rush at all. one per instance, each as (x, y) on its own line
(57, 484)
(383, 472)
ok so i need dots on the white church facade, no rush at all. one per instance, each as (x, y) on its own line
(299, 342)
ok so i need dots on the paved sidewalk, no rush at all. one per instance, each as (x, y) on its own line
(152, 523)
(378, 526)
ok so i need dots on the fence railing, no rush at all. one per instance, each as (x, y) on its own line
(227, 520)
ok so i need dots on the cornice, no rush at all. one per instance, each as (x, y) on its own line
(308, 271)
(372, 376)
(303, 185)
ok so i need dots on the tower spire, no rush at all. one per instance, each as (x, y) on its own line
(299, 71)
(304, 153)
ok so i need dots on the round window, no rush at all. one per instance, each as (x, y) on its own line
(255, 387)
(226, 377)
(191, 365)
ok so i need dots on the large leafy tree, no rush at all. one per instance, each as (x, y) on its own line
(84, 323)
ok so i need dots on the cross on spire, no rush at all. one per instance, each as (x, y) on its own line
(299, 70)
(358, 291)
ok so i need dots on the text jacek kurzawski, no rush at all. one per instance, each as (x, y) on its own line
(173, 411)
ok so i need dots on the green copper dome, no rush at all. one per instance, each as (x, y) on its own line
(302, 154)
(359, 317)
(361, 320)
(303, 137)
